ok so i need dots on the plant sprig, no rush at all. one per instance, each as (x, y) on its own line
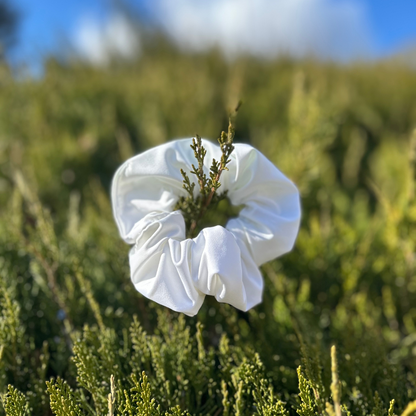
(195, 208)
(200, 154)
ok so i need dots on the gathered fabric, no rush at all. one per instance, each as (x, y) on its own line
(178, 272)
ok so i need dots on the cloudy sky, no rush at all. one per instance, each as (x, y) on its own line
(336, 29)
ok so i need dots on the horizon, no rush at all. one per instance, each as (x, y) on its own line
(94, 30)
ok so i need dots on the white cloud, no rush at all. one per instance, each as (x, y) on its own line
(326, 28)
(99, 42)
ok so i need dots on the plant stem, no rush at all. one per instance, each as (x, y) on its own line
(205, 206)
(225, 140)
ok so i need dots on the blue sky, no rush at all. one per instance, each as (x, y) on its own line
(382, 27)
(393, 23)
(45, 23)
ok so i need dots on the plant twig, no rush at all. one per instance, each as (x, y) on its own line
(217, 168)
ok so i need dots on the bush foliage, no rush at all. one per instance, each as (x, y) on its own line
(77, 339)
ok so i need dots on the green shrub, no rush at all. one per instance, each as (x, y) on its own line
(75, 336)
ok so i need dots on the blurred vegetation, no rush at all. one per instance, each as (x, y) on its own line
(75, 336)
(9, 22)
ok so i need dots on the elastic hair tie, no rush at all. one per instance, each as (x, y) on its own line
(178, 272)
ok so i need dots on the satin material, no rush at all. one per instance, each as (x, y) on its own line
(177, 272)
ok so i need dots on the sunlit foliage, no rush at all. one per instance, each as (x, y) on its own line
(77, 339)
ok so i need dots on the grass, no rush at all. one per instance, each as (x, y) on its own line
(70, 319)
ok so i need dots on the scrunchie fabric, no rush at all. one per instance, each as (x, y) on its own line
(178, 272)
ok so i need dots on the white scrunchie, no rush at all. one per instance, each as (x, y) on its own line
(177, 272)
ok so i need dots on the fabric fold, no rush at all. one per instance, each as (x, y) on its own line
(223, 262)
